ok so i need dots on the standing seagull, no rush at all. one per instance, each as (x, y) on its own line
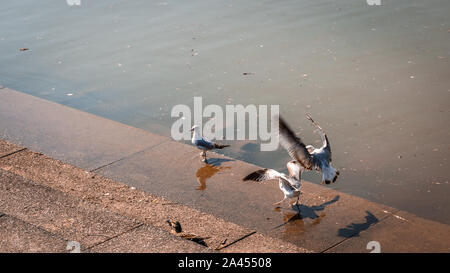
(203, 144)
(289, 185)
(308, 157)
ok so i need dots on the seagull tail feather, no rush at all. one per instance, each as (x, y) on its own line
(219, 146)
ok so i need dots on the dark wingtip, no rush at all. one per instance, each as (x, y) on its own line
(336, 176)
(219, 146)
(254, 176)
(284, 127)
(247, 177)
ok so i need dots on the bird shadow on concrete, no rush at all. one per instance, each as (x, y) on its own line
(354, 229)
(304, 212)
(215, 161)
(209, 170)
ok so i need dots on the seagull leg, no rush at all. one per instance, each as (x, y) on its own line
(204, 157)
(277, 203)
(296, 202)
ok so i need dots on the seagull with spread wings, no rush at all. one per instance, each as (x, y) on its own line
(203, 143)
(289, 185)
(308, 157)
(304, 158)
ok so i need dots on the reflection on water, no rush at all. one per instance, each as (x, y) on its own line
(292, 223)
(377, 78)
(293, 219)
(206, 172)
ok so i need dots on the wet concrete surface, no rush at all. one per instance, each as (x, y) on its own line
(325, 219)
(71, 135)
(415, 234)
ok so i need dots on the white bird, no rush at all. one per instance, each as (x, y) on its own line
(289, 185)
(307, 157)
(204, 144)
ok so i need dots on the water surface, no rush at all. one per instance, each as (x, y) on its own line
(377, 78)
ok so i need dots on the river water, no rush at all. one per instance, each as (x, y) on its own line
(377, 78)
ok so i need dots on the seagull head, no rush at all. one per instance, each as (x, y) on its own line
(310, 148)
(195, 128)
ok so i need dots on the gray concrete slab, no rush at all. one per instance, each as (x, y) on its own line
(82, 139)
(7, 148)
(148, 239)
(19, 236)
(58, 213)
(170, 170)
(402, 232)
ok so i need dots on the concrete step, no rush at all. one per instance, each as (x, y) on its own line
(19, 236)
(37, 218)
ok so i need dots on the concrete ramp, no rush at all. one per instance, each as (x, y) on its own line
(326, 220)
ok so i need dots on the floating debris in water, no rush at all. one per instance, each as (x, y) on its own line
(70, 94)
(248, 73)
(24, 49)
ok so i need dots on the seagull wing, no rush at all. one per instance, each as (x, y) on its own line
(326, 143)
(294, 145)
(262, 175)
(204, 143)
(287, 184)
